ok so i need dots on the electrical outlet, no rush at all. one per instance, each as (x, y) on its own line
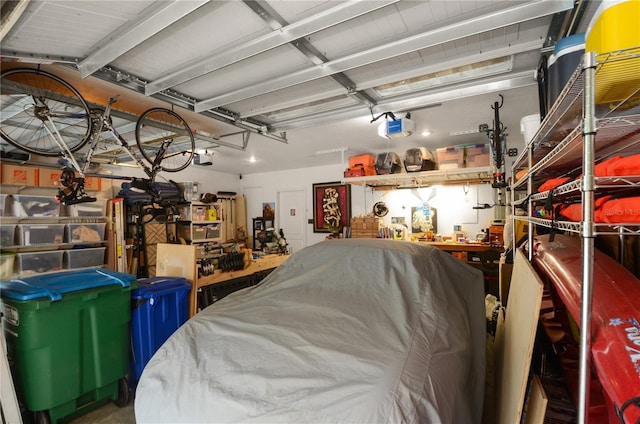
(483, 128)
(512, 152)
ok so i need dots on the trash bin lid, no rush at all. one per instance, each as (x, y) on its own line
(56, 284)
(155, 286)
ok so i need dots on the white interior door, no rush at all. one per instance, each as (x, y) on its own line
(290, 211)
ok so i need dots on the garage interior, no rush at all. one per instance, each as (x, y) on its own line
(284, 100)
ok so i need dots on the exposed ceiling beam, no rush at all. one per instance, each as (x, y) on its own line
(157, 17)
(137, 84)
(334, 16)
(458, 61)
(315, 56)
(413, 101)
(11, 12)
(465, 28)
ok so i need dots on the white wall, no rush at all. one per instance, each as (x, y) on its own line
(264, 187)
(453, 205)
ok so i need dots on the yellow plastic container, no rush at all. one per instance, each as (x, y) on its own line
(614, 27)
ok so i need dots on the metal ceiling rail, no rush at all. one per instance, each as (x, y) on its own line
(174, 98)
(459, 61)
(461, 29)
(157, 17)
(409, 102)
(315, 56)
(276, 38)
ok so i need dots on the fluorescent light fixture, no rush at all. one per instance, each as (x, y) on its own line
(328, 151)
(312, 108)
(447, 76)
(462, 132)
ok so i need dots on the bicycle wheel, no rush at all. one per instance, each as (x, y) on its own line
(165, 139)
(40, 111)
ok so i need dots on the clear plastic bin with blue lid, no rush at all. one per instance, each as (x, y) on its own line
(68, 338)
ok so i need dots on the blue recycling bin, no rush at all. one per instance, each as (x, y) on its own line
(160, 305)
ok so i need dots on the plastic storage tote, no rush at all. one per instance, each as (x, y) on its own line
(614, 27)
(35, 206)
(160, 306)
(67, 339)
(565, 59)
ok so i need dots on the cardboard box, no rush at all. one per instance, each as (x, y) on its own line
(364, 227)
(92, 183)
(495, 235)
(19, 175)
(450, 157)
(477, 155)
(49, 178)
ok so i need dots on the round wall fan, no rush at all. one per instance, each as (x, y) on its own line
(380, 209)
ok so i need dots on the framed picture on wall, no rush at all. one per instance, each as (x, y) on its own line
(331, 207)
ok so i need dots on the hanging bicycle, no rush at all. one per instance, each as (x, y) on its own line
(45, 115)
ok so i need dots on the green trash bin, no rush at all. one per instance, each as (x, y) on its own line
(67, 339)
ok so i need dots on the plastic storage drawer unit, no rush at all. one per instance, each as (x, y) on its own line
(84, 258)
(68, 340)
(38, 262)
(6, 264)
(30, 234)
(7, 235)
(3, 199)
(85, 233)
(91, 209)
(160, 307)
(35, 206)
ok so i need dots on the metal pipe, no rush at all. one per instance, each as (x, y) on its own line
(588, 184)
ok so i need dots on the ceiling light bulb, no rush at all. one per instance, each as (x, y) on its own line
(426, 133)
(252, 159)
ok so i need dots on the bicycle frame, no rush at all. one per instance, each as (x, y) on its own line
(104, 123)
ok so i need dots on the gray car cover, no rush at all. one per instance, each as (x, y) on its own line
(345, 331)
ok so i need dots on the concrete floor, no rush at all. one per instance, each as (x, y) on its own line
(108, 414)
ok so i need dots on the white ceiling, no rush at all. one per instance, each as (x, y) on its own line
(280, 80)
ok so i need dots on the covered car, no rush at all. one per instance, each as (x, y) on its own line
(345, 331)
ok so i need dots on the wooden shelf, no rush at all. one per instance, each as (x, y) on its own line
(425, 178)
(179, 260)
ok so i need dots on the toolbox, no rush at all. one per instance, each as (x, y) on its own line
(362, 160)
(360, 171)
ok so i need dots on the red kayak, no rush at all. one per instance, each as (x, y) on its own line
(615, 317)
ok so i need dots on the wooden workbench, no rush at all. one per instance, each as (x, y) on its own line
(481, 256)
(179, 260)
(463, 247)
